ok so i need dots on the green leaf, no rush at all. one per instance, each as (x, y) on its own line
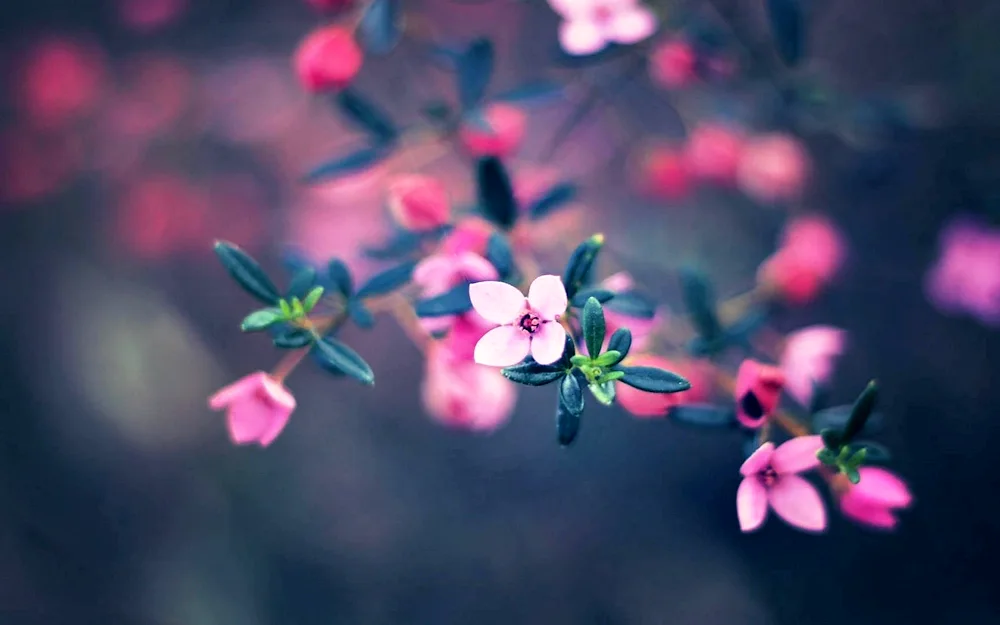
(294, 338)
(474, 71)
(858, 457)
(633, 304)
(594, 327)
(836, 417)
(608, 358)
(654, 380)
(340, 275)
(302, 282)
(495, 193)
(500, 255)
(601, 295)
(360, 315)
(581, 264)
(387, 281)
(579, 360)
(787, 29)
(862, 410)
(874, 452)
(367, 116)
(360, 160)
(261, 319)
(247, 272)
(530, 373)
(558, 196)
(853, 475)
(298, 310)
(453, 302)
(700, 303)
(570, 394)
(604, 392)
(827, 457)
(611, 376)
(286, 309)
(341, 357)
(831, 438)
(381, 26)
(567, 423)
(621, 341)
(312, 298)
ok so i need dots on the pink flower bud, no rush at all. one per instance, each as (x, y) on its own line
(663, 173)
(328, 58)
(812, 251)
(713, 153)
(773, 168)
(645, 404)
(672, 64)
(793, 281)
(257, 408)
(758, 390)
(462, 394)
(418, 202)
(502, 138)
(471, 234)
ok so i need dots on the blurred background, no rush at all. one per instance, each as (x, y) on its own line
(133, 133)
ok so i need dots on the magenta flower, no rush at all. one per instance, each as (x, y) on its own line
(758, 390)
(441, 272)
(771, 478)
(527, 325)
(419, 202)
(873, 500)
(966, 277)
(257, 408)
(462, 394)
(808, 357)
(590, 25)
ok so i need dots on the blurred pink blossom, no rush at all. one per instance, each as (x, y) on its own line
(328, 58)
(503, 136)
(463, 335)
(438, 273)
(641, 328)
(672, 64)
(148, 15)
(330, 5)
(808, 357)
(966, 276)
(874, 499)
(663, 173)
(257, 408)
(36, 165)
(460, 393)
(470, 234)
(758, 390)
(160, 213)
(644, 404)
(713, 153)
(418, 202)
(526, 324)
(771, 479)
(157, 92)
(590, 25)
(773, 168)
(60, 80)
(810, 253)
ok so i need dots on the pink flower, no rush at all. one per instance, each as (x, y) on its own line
(590, 25)
(645, 404)
(874, 499)
(527, 325)
(257, 408)
(810, 254)
(770, 477)
(672, 64)
(966, 277)
(328, 58)
(419, 202)
(438, 273)
(460, 393)
(60, 81)
(663, 173)
(807, 359)
(502, 137)
(758, 389)
(471, 234)
(713, 153)
(773, 168)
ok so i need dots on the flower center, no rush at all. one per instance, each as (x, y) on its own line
(602, 14)
(529, 322)
(769, 476)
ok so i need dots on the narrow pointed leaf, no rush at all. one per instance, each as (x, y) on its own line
(556, 197)
(875, 453)
(453, 302)
(367, 116)
(700, 303)
(534, 94)
(360, 315)
(621, 341)
(495, 193)
(345, 359)
(247, 273)
(608, 359)
(387, 281)
(312, 298)
(500, 255)
(355, 162)
(530, 373)
(261, 319)
(474, 72)
(704, 415)
(580, 266)
(594, 327)
(633, 304)
(381, 27)
(836, 418)
(338, 273)
(601, 295)
(654, 380)
(302, 282)
(404, 243)
(861, 411)
(567, 423)
(292, 338)
(787, 28)
(570, 394)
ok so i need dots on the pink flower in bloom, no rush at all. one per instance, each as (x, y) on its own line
(438, 273)
(328, 58)
(672, 64)
(419, 202)
(810, 254)
(773, 168)
(257, 408)
(645, 404)
(460, 393)
(590, 25)
(808, 357)
(770, 478)
(470, 234)
(966, 277)
(527, 325)
(758, 389)
(502, 137)
(874, 499)
(713, 153)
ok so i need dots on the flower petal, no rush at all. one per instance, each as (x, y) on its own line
(502, 347)
(475, 268)
(547, 297)
(884, 487)
(797, 455)
(570, 9)
(798, 502)
(581, 37)
(548, 343)
(631, 25)
(434, 272)
(248, 419)
(228, 394)
(751, 504)
(758, 460)
(498, 302)
(865, 512)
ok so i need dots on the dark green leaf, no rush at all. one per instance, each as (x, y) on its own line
(820, 397)
(381, 26)
(621, 341)
(853, 476)
(531, 373)
(352, 163)
(836, 418)
(569, 350)
(495, 194)
(700, 303)
(338, 273)
(405, 243)
(453, 302)
(704, 415)
(861, 411)
(245, 270)
(571, 394)
(831, 439)
(360, 315)
(827, 457)
(567, 423)
(312, 298)
(740, 332)
(601, 295)
(387, 281)
(532, 94)
(500, 255)
(581, 263)
(302, 282)
(261, 319)
(633, 304)
(556, 197)
(787, 28)
(876, 453)
(341, 357)
(475, 70)
(594, 327)
(367, 116)
(293, 338)
(653, 380)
